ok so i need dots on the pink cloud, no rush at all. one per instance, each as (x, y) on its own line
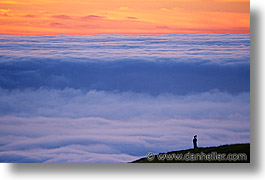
(61, 16)
(56, 24)
(129, 17)
(29, 16)
(92, 17)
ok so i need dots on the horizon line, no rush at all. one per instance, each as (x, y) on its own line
(125, 34)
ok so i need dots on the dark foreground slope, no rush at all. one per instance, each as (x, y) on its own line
(235, 153)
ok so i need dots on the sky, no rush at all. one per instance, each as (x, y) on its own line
(114, 98)
(37, 17)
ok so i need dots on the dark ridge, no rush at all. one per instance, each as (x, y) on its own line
(236, 153)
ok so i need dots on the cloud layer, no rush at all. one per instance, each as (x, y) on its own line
(177, 64)
(113, 98)
(74, 126)
(198, 48)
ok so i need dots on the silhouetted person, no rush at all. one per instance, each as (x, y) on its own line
(195, 142)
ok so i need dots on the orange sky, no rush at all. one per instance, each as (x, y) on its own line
(124, 16)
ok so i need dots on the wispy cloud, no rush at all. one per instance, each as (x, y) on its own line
(56, 24)
(61, 16)
(29, 16)
(130, 17)
(92, 16)
(6, 12)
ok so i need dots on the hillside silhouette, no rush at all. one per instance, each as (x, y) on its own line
(234, 153)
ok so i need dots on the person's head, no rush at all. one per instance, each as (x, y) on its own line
(195, 136)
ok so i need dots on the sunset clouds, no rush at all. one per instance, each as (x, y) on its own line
(111, 80)
(124, 17)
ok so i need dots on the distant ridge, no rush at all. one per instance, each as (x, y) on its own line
(234, 153)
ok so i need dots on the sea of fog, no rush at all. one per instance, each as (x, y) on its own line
(114, 98)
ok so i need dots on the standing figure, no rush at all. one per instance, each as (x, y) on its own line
(195, 142)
